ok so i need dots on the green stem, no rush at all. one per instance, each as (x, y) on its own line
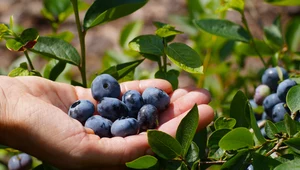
(244, 20)
(29, 61)
(81, 35)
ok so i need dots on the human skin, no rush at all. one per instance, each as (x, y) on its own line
(33, 119)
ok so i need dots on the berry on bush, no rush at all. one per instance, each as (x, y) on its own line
(269, 102)
(156, 97)
(81, 110)
(261, 92)
(284, 87)
(125, 127)
(100, 125)
(134, 101)
(147, 117)
(21, 161)
(105, 85)
(278, 112)
(271, 77)
(112, 108)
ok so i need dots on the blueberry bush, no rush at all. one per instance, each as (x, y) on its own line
(257, 120)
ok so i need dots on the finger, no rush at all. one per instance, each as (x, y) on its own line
(141, 85)
(184, 103)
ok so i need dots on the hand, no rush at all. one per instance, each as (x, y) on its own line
(33, 119)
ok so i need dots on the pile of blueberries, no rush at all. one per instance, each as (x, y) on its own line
(21, 161)
(118, 115)
(271, 94)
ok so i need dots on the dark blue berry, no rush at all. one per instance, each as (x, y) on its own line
(100, 125)
(112, 108)
(278, 112)
(269, 102)
(134, 101)
(105, 85)
(284, 87)
(125, 127)
(156, 97)
(81, 110)
(21, 161)
(148, 117)
(271, 77)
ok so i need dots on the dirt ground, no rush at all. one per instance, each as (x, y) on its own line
(99, 39)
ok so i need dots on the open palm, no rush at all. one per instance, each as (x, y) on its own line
(34, 119)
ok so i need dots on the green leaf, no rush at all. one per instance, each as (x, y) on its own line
(293, 98)
(53, 69)
(148, 44)
(284, 2)
(237, 5)
(224, 28)
(193, 153)
(56, 7)
(187, 129)
(184, 57)
(26, 40)
(3, 147)
(238, 110)
(294, 144)
(143, 162)
(236, 139)
(171, 76)
(260, 138)
(273, 37)
(271, 129)
(200, 139)
(183, 166)
(22, 70)
(268, 162)
(14, 45)
(292, 34)
(121, 70)
(238, 161)
(290, 125)
(195, 165)
(104, 11)
(166, 30)
(4, 30)
(294, 164)
(224, 123)
(247, 49)
(281, 127)
(44, 166)
(130, 31)
(75, 83)
(58, 49)
(215, 137)
(164, 145)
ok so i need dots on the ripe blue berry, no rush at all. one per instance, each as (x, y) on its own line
(269, 102)
(284, 87)
(147, 117)
(278, 112)
(134, 101)
(112, 108)
(261, 92)
(21, 161)
(100, 125)
(105, 85)
(156, 97)
(81, 110)
(125, 127)
(271, 77)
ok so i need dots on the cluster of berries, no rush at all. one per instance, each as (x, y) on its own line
(118, 115)
(271, 94)
(21, 161)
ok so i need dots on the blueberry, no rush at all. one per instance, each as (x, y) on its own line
(105, 85)
(100, 125)
(254, 108)
(125, 127)
(250, 167)
(21, 161)
(261, 92)
(278, 112)
(112, 108)
(81, 110)
(269, 102)
(284, 87)
(156, 97)
(134, 101)
(271, 77)
(147, 117)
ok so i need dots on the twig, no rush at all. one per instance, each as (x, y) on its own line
(275, 148)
